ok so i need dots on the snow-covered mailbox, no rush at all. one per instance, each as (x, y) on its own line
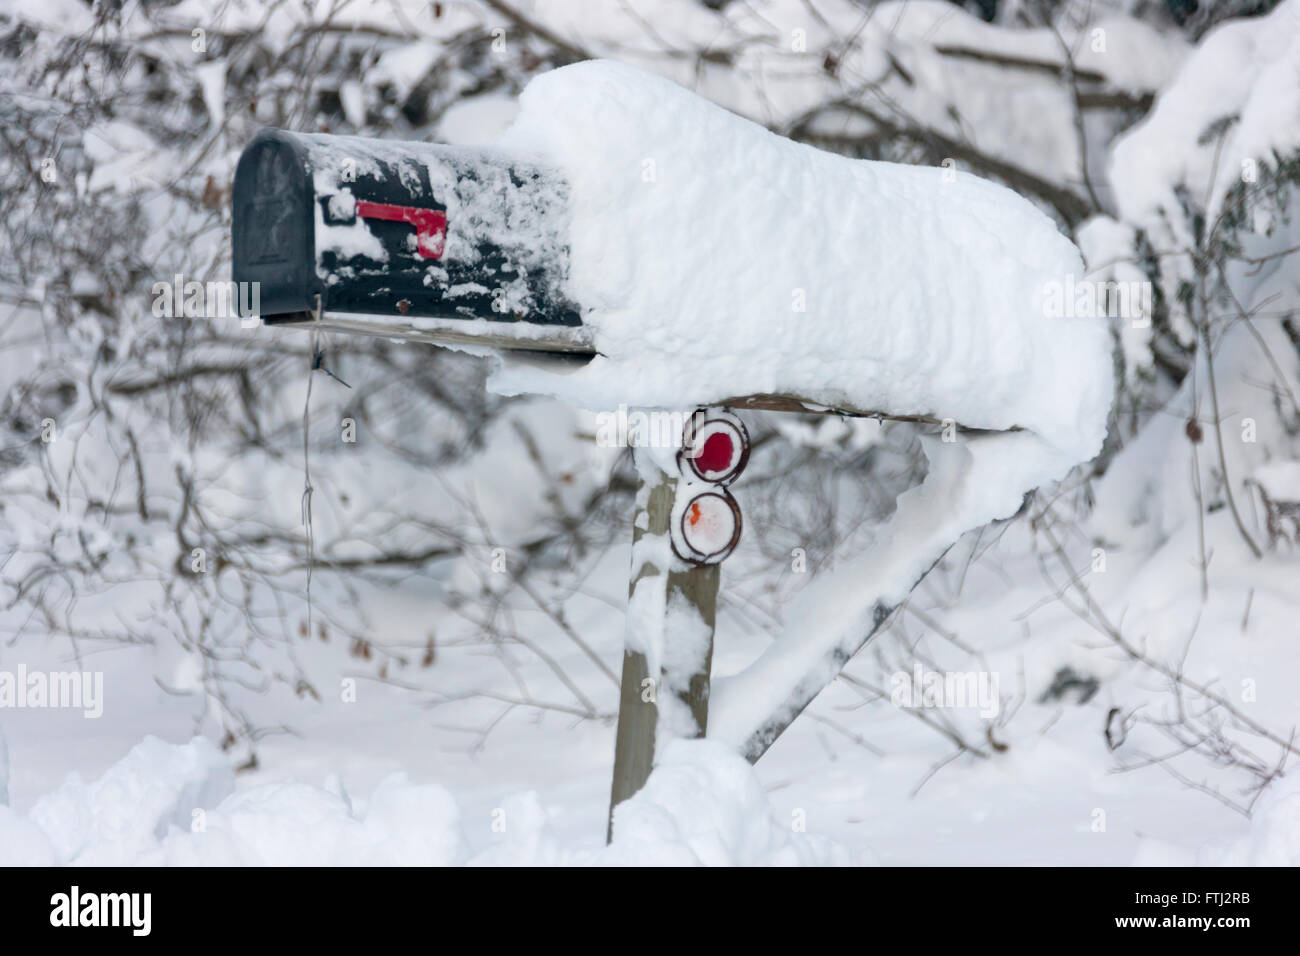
(335, 229)
(694, 260)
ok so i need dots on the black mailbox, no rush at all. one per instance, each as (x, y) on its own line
(397, 232)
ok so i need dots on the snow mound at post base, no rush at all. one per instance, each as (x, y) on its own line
(715, 259)
(703, 805)
(174, 805)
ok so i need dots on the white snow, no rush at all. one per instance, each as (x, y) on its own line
(697, 236)
(155, 786)
(716, 259)
(1280, 480)
(4, 770)
(1150, 489)
(1272, 840)
(345, 239)
(926, 59)
(705, 805)
(1245, 70)
(352, 98)
(1107, 247)
(477, 120)
(212, 83)
(166, 804)
(968, 485)
(1274, 837)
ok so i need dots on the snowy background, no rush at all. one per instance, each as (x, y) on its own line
(428, 673)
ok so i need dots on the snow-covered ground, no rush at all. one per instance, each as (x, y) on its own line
(385, 779)
(1129, 636)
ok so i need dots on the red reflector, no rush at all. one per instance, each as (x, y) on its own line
(716, 453)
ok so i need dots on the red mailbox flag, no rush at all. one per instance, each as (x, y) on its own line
(430, 224)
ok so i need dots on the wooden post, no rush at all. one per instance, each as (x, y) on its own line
(638, 713)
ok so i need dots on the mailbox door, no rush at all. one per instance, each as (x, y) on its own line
(272, 233)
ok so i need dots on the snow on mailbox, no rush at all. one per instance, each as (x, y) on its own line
(444, 243)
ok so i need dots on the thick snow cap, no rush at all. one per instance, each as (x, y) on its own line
(716, 259)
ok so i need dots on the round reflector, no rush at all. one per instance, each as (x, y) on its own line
(708, 529)
(715, 446)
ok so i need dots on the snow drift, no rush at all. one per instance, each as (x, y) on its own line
(167, 804)
(715, 259)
